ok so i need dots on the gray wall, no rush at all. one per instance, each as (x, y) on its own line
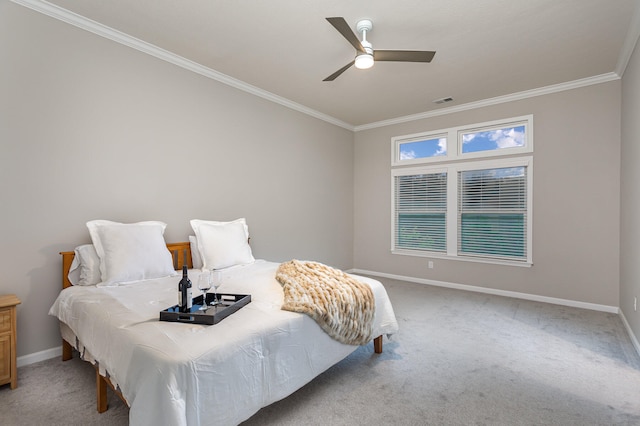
(576, 199)
(630, 194)
(92, 129)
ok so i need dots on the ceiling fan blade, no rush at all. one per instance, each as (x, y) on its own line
(340, 71)
(403, 55)
(343, 28)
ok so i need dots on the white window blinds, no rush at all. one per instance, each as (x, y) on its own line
(420, 212)
(492, 213)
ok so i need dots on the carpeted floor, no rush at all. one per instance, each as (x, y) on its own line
(460, 358)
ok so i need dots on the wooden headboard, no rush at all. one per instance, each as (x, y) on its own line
(180, 252)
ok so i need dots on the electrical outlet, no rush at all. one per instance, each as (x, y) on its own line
(430, 264)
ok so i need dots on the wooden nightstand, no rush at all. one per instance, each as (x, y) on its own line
(8, 367)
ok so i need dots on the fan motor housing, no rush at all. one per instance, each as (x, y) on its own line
(364, 25)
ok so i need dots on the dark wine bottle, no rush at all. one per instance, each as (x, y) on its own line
(184, 292)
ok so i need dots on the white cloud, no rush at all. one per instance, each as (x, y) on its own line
(407, 155)
(442, 147)
(507, 138)
(466, 138)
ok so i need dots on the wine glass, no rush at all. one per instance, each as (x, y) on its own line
(216, 280)
(204, 284)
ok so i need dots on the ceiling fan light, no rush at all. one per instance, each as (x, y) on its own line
(364, 61)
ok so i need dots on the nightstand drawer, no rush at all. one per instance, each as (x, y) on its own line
(5, 320)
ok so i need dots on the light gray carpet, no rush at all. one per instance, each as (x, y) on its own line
(460, 358)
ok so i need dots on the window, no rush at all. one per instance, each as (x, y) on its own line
(494, 139)
(492, 212)
(471, 203)
(421, 148)
(421, 211)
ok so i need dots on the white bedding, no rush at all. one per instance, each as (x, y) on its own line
(187, 374)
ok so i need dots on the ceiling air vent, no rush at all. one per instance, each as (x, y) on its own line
(443, 100)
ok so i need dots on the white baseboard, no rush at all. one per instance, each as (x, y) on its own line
(514, 294)
(39, 356)
(632, 336)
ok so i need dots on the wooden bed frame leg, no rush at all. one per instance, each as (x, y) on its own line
(101, 392)
(377, 344)
(67, 351)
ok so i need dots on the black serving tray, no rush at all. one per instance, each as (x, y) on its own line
(230, 303)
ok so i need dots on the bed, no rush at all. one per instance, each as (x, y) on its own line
(190, 374)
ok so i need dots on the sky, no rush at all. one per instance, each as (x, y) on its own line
(493, 139)
(423, 149)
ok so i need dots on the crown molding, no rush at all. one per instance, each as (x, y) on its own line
(101, 30)
(603, 78)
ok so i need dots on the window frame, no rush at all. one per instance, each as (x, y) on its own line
(410, 172)
(455, 162)
(526, 121)
(454, 141)
(417, 137)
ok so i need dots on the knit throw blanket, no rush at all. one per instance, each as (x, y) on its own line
(341, 305)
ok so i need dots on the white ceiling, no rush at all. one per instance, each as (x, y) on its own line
(485, 48)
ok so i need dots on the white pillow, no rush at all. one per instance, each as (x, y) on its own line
(196, 259)
(74, 270)
(85, 267)
(130, 251)
(222, 244)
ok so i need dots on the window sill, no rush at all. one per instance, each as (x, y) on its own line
(435, 255)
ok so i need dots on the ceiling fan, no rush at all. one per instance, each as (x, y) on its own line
(365, 55)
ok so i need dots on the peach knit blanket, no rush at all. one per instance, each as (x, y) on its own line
(343, 306)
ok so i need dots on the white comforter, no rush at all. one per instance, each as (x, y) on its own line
(187, 374)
